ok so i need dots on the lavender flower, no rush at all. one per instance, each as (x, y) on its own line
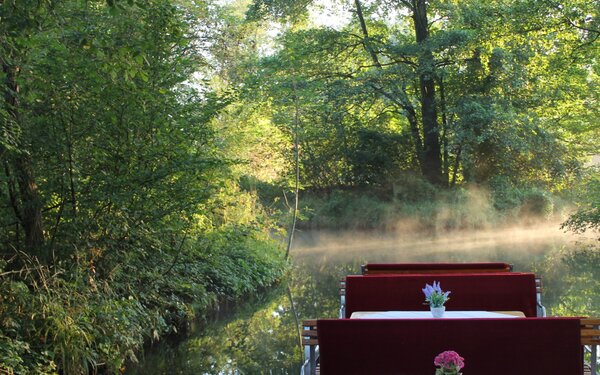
(434, 295)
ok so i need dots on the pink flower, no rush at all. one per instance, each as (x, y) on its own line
(449, 360)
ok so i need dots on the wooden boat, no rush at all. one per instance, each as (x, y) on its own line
(408, 346)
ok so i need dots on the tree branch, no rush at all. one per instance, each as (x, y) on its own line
(363, 27)
(176, 255)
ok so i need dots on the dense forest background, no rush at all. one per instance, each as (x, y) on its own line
(155, 153)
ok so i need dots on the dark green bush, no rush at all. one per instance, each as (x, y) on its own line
(537, 203)
(413, 188)
(505, 195)
(344, 209)
(526, 201)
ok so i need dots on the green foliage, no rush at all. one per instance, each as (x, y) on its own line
(458, 209)
(420, 206)
(18, 353)
(505, 195)
(514, 105)
(377, 156)
(142, 225)
(538, 203)
(410, 188)
(588, 215)
(288, 9)
(344, 209)
(524, 201)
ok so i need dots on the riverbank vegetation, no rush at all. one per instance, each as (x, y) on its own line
(152, 150)
(121, 215)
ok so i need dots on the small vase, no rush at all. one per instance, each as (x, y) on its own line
(440, 371)
(438, 312)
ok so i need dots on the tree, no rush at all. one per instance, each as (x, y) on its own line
(472, 95)
(19, 22)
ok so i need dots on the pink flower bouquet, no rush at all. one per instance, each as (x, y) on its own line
(449, 363)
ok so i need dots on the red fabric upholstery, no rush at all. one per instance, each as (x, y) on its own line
(435, 267)
(532, 346)
(490, 292)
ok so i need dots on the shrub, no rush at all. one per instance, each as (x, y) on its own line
(587, 216)
(410, 188)
(538, 203)
(344, 209)
(505, 195)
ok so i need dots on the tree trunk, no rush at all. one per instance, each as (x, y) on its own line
(30, 210)
(456, 165)
(432, 164)
(444, 135)
(363, 27)
(71, 169)
(296, 172)
(398, 98)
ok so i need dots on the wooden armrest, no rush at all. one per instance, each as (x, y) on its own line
(590, 331)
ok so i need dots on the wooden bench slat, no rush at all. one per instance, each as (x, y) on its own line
(590, 321)
(309, 333)
(587, 341)
(310, 342)
(587, 332)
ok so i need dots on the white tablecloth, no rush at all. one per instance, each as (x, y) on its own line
(427, 315)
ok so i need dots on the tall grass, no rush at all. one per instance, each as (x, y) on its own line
(69, 319)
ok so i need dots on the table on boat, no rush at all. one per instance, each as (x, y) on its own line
(427, 314)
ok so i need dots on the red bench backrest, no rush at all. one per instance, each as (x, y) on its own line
(515, 346)
(488, 292)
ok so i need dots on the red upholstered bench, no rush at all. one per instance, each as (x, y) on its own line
(531, 346)
(487, 291)
(434, 268)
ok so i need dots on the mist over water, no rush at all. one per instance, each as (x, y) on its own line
(507, 244)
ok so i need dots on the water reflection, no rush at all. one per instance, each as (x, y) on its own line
(261, 337)
(572, 280)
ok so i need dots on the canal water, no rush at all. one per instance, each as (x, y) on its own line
(261, 336)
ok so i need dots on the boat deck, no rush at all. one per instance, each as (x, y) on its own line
(386, 337)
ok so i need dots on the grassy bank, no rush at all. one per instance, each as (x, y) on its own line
(94, 313)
